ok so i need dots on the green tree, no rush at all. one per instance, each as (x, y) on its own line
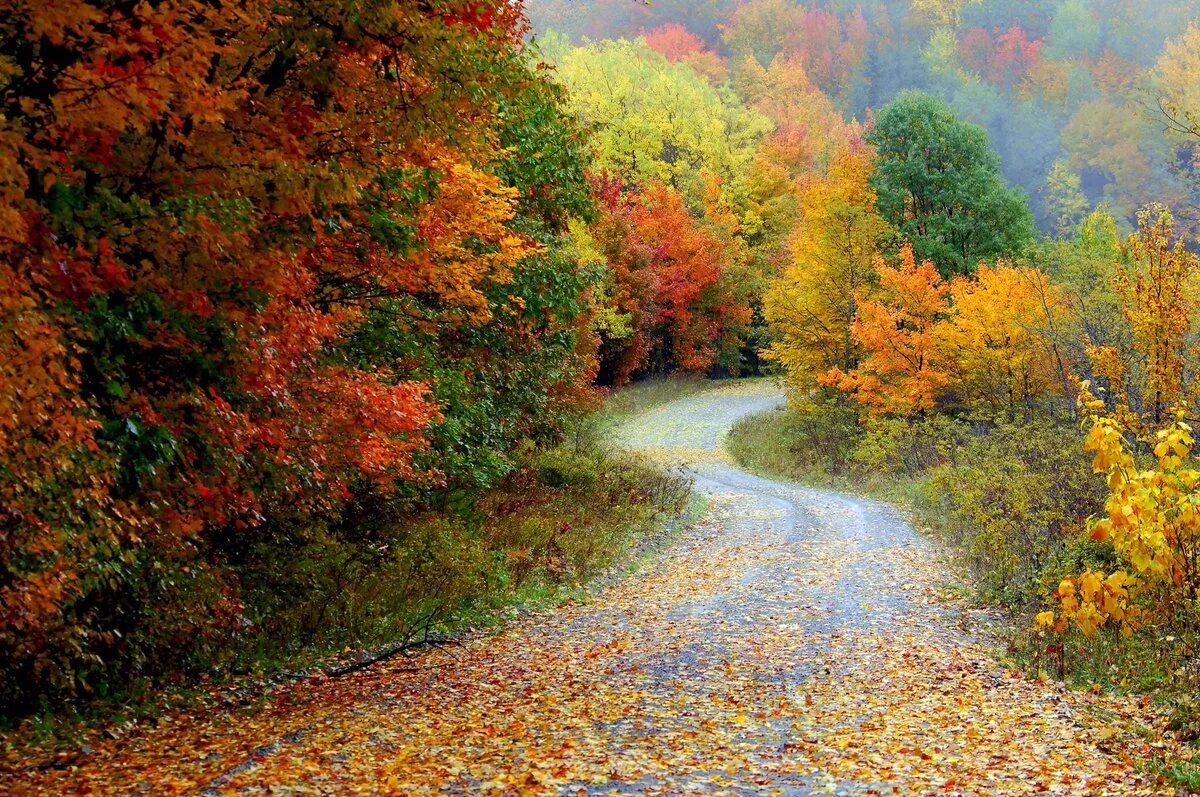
(1066, 203)
(1074, 31)
(939, 182)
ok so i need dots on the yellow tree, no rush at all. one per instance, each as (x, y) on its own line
(1177, 79)
(898, 373)
(998, 343)
(1151, 519)
(1152, 513)
(812, 305)
(1156, 286)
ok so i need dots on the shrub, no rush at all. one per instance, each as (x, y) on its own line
(811, 440)
(561, 516)
(896, 445)
(1013, 498)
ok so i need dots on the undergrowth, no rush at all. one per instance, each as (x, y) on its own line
(569, 512)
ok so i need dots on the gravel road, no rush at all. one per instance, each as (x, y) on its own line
(793, 641)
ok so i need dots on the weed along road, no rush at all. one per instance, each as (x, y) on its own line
(792, 642)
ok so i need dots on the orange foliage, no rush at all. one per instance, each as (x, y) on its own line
(674, 282)
(674, 42)
(202, 203)
(996, 344)
(898, 373)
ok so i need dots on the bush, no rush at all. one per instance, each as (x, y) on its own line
(1013, 498)
(561, 516)
(899, 446)
(812, 441)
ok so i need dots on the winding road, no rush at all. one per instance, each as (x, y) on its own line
(793, 641)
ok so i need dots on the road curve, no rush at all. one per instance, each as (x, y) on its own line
(793, 641)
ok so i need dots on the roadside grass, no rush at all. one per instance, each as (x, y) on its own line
(766, 444)
(1184, 775)
(626, 402)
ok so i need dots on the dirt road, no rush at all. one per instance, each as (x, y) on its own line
(793, 642)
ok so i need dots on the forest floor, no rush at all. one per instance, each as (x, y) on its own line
(793, 641)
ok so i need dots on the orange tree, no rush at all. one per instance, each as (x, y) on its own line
(898, 372)
(673, 280)
(998, 343)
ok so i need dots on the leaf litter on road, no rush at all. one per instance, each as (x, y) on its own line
(792, 642)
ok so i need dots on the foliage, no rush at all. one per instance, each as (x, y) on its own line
(1152, 522)
(1084, 270)
(605, 667)
(1175, 80)
(998, 342)
(674, 42)
(673, 281)
(656, 121)
(811, 441)
(828, 46)
(1066, 203)
(1013, 498)
(1052, 81)
(899, 373)
(939, 182)
(1156, 289)
(808, 127)
(562, 516)
(1004, 59)
(834, 246)
(271, 271)
(892, 447)
(813, 304)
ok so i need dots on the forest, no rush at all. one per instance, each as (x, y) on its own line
(968, 235)
(317, 317)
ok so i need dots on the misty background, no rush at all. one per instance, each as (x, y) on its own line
(1069, 90)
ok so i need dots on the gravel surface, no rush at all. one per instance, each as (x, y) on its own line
(793, 641)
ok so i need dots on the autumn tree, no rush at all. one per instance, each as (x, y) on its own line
(1149, 520)
(939, 183)
(1083, 268)
(1113, 138)
(1156, 283)
(830, 47)
(945, 13)
(655, 121)
(680, 303)
(1004, 59)
(898, 373)
(674, 42)
(1065, 200)
(614, 19)
(999, 343)
(236, 237)
(807, 130)
(807, 125)
(812, 306)
(1176, 79)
